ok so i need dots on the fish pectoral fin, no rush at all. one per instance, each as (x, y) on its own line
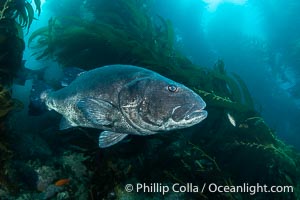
(108, 138)
(65, 124)
(96, 111)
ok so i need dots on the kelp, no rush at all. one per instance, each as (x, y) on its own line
(231, 85)
(15, 15)
(221, 102)
(246, 94)
(220, 153)
(20, 10)
(102, 35)
(132, 31)
(11, 51)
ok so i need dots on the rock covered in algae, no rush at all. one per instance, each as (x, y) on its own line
(6, 103)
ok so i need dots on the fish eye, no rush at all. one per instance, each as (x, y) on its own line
(172, 88)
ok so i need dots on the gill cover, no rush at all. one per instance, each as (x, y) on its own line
(134, 106)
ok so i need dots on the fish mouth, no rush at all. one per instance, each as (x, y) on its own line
(188, 114)
(196, 112)
(198, 115)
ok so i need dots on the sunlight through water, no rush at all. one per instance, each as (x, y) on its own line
(212, 5)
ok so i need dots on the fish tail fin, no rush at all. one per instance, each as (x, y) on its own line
(38, 95)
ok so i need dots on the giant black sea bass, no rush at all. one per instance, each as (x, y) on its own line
(125, 99)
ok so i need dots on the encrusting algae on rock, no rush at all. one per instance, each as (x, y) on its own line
(6, 103)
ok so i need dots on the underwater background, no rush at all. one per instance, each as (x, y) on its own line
(240, 56)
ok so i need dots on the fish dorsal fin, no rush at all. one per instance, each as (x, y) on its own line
(65, 124)
(97, 112)
(108, 138)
